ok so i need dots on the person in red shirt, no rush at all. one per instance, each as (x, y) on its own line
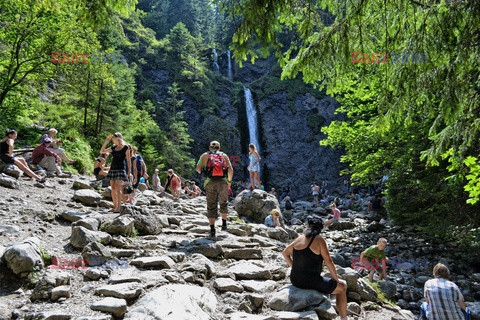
(332, 218)
(47, 159)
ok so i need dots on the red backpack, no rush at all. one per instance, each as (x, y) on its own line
(216, 164)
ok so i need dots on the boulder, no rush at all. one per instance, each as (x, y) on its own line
(122, 225)
(81, 184)
(291, 298)
(115, 306)
(10, 170)
(388, 288)
(81, 237)
(87, 197)
(227, 285)
(247, 270)
(96, 254)
(44, 286)
(8, 182)
(175, 301)
(342, 225)
(255, 204)
(24, 256)
(146, 221)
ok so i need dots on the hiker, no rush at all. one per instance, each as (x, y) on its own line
(287, 213)
(156, 183)
(173, 183)
(196, 190)
(6, 155)
(443, 299)
(42, 156)
(305, 256)
(219, 172)
(274, 192)
(376, 204)
(254, 166)
(139, 169)
(315, 193)
(55, 146)
(120, 152)
(188, 188)
(99, 169)
(332, 218)
(273, 219)
(285, 193)
(375, 256)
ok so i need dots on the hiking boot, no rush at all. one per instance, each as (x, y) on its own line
(212, 235)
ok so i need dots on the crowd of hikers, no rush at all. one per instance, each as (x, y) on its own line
(305, 255)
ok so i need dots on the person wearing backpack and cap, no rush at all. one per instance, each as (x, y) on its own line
(219, 172)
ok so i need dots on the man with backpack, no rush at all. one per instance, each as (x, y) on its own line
(219, 172)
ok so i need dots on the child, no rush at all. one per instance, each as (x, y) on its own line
(335, 217)
(273, 220)
(375, 255)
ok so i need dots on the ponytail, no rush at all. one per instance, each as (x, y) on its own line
(315, 226)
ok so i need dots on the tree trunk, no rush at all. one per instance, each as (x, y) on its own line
(99, 108)
(87, 94)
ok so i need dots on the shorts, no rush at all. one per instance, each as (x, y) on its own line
(7, 159)
(321, 284)
(135, 186)
(117, 175)
(334, 220)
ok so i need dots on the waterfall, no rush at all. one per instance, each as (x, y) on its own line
(230, 75)
(215, 61)
(252, 118)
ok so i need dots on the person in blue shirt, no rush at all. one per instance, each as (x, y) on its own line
(273, 220)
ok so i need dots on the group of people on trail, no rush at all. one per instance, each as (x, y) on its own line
(47, 155)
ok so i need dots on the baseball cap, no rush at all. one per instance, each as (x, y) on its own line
(214, 144)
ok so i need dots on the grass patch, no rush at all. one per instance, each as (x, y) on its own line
(46, 257)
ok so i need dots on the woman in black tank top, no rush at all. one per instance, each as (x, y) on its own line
(305, 256)
(120, 151)
(6, 155)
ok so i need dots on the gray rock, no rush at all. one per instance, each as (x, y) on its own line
(420, 281)
(207, 248)
(388, 288)
(354, 308)
(87, 197)
(81, 237)
(146, 221)
(24, 256)
(81, 184)
(255, 204)
(122, 225)
(49, 315)
(163, 262)
(259, 286)
(247, 270)
(9, 229)
(243, 254)
(326, 310)
(60, 292)
(142, 187)
(375, 227)
(93, 273)
(73, 216)
(43, 287)
(278, 234)
(10, 170)
(174, 302)
(342, 225)
(227, 285)
(291, 298)
(8, 182)
(115, 306)
(122, 290)
(96, 254)
(88, 223)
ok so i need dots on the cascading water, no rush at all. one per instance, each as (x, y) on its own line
(230, 75)
(215, 61)
(252, 118)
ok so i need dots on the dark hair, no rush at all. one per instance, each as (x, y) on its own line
(315, 226)
(9, 132)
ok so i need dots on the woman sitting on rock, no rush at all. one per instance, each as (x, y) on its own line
(6, 155)
(305, 256)
(99, 169)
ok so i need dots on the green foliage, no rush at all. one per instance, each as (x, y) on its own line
(46, 257)
(380, 294)
(415, 122)
(134, 232)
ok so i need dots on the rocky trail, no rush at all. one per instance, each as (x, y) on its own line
(154, 261)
